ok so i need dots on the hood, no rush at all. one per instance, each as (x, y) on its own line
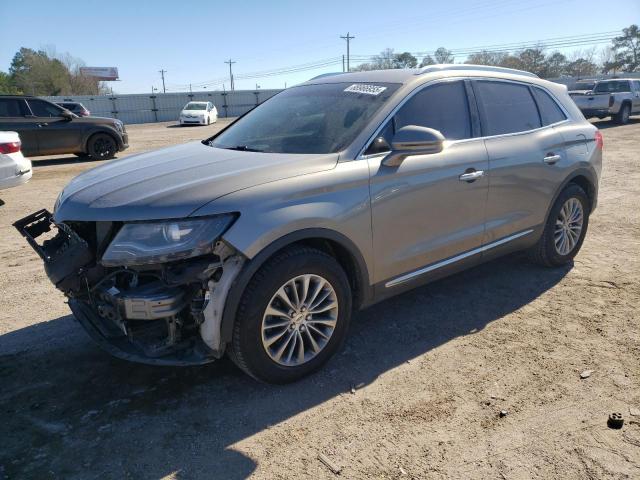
(175, 181)
(580, 92)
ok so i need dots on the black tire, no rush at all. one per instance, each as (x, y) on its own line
(622, 117)
(208, 120)
(544, 252)
(247, 350)
(102, 146)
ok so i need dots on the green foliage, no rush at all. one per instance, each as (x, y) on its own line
(7, 86)
(40, 73)
(627, 49)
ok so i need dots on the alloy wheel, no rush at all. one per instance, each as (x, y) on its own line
(568, 226)
(299, 320)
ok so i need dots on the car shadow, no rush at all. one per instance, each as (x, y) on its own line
(47, 162)
(609, 123)
(70, 409)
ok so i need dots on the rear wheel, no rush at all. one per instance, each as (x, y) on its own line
(102, 146)
(622, 117)
(293, 316)
(565, 229)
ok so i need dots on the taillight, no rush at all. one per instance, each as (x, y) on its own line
(611, 100)
(11, 147)
(599, 141)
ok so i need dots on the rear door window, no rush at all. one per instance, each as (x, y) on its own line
(442, 106)
(550, 111)
(11, 107)
(506, 107)
(41, 108)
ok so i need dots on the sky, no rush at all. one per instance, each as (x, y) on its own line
(192, 39)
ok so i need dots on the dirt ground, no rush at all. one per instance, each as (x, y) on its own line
(431, 370)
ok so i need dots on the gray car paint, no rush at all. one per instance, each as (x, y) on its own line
(399, 220)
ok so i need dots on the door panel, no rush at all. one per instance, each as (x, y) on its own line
(59, 135)
(422, 212)
(522, 184)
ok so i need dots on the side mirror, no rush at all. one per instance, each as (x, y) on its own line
(67, 115)
(413, 140)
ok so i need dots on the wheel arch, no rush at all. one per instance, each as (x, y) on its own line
(94, 131)
(329, 241)
(585, 179)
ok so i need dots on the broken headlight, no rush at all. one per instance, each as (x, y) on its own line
(159, 242)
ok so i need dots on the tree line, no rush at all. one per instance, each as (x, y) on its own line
(41, 72)
(623, 55)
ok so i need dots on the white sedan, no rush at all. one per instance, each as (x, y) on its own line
(14, 168)
(198, 113)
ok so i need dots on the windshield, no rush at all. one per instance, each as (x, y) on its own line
(322, 118)
(613, 87)
(195, 106)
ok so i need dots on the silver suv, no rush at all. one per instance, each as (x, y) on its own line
(332, 195)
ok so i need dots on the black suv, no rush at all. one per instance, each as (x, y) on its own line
(48, 129)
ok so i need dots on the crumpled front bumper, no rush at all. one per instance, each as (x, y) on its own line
(116, 343)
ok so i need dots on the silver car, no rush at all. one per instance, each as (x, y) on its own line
(259, 242)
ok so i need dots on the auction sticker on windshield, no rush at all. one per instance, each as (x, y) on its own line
(366, 89)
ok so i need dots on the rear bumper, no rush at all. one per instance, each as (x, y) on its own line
(21, 178)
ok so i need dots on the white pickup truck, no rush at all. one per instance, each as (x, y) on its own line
(617, 98)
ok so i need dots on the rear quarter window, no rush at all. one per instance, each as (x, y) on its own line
(550, 111)
(505, 107)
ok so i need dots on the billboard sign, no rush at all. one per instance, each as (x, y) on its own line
(100, 73)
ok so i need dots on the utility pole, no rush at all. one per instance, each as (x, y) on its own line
(162, 72)
(343, 62)
(190, 91)
(347, 38)
(231, 74)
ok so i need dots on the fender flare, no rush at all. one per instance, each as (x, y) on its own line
(252, 266)
(102, 129)
(580, 172)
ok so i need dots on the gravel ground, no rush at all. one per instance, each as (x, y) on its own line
(430, 370)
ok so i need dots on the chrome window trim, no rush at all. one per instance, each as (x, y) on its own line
(434, 266)
(419, 88)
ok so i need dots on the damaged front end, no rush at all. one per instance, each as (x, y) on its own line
(147, 292)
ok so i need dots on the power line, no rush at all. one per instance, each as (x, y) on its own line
(348, 38)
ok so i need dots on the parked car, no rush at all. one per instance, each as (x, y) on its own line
(14, 168)
(619, 99)
(75, 107)
(328, 197)
(48, 129)
(198, 113)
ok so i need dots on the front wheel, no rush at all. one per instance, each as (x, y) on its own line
(102, 146)
(293, 316)
(565, 229)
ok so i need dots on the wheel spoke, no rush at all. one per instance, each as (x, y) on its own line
(276, 312)
(278, 354)
(284, 298)
(271, 340)
(329, 306)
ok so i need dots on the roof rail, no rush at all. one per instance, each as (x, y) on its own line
(322, 75)
(464, 66)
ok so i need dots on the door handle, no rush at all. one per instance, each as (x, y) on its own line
(551, 158)
(471, 176)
